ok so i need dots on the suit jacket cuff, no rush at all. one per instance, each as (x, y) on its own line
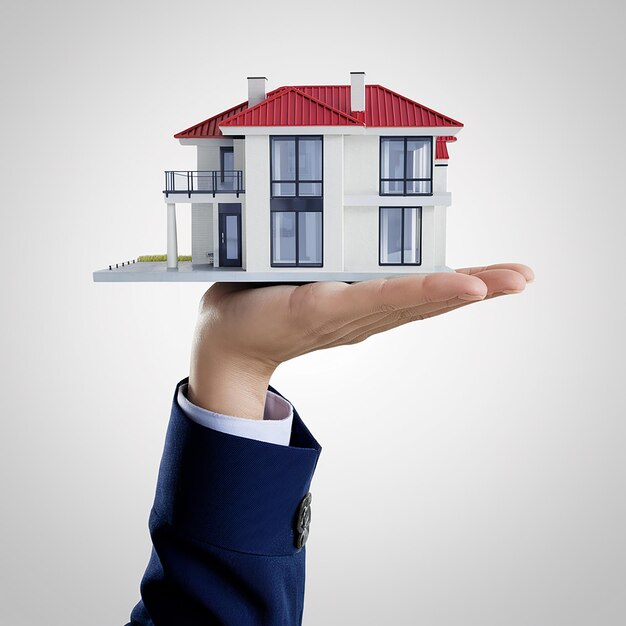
(233, 492)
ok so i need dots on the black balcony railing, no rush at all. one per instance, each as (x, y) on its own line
(216, 181)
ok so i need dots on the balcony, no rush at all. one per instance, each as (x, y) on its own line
(207, 182)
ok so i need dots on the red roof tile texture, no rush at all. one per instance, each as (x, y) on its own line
(210, 127)
(324, 105)
(291, 107)
(383, 107)
(441, 148)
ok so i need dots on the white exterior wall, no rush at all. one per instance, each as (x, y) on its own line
(240, 164)
(361, 167)
(204, 215)
(361, 220)
(351, 206)
(439, 254)
(440, 177)
(428, 232)
(256, 216)
(239, 152)
(333, 245)
(361, 241)
(440, 185)
(209, 153)
(201, 232)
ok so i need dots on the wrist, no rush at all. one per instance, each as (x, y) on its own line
(229, 384)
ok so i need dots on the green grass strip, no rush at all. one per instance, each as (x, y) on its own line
(153, 258)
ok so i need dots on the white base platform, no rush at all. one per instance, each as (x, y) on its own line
(158, 272)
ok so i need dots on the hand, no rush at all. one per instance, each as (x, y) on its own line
(245, 331)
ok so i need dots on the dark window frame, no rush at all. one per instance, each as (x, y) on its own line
(405, 179)
(295, 181)
(296, 211)
(380, 243)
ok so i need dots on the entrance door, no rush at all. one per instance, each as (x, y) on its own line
(230, 235)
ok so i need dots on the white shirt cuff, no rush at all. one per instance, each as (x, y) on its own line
(275, 427)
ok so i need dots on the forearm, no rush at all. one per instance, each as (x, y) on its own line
(224, 527)
(192, 583)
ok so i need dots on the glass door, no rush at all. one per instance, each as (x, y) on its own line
(230, 239)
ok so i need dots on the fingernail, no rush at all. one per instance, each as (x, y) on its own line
(471, 297)
(510, 292)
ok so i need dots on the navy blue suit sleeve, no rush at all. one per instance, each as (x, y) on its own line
(224, 529)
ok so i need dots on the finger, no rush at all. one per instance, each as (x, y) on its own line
(393, 320)
(520, 268)
(355, 301)
(384, 321)
(328, 335)
(502, 280)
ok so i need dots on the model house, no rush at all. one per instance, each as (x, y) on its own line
(315, 182)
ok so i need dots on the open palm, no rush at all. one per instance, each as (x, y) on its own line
(250, 329)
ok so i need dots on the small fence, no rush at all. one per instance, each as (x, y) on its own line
(122, 264)
(195, 182)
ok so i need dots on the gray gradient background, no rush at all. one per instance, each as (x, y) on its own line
(473, 466)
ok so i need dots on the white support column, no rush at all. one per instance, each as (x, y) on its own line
(172, 239)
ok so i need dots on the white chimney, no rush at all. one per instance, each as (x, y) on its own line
(257, 86)
(357, 91)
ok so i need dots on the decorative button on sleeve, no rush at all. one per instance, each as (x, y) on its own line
(303, 521)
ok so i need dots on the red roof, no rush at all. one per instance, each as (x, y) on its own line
(292, 107)
(383, 107)
(441, 150)
(325, 105)
(210, 127)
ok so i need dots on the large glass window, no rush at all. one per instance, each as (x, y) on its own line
(284, 237)
(297, 238)
(296, 166)
(400, 235)
(406, 166)
(310, 238)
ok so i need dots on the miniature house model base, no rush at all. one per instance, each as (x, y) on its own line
(309, 183)
(158, 272)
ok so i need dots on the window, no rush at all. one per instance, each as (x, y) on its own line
(296, 238)
(284, 238)
(296, 201)
(400, 236)
(406, 166)
(228, 178)
(227, 158)
(296, 166)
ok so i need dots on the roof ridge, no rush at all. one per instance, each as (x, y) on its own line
(283, 91)
(328, 106)
(423, 106)
(274, 91)
(347, 85)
